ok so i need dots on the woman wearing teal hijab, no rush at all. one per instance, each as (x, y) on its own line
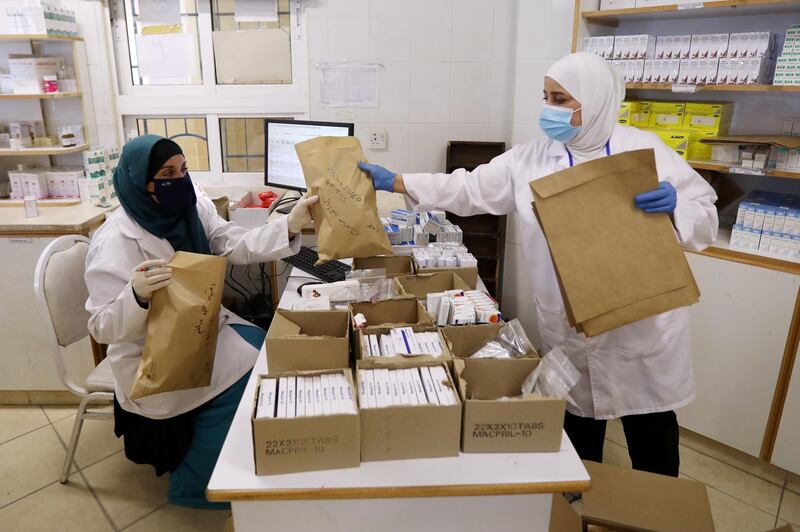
(163, 212)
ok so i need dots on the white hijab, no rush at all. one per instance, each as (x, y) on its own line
(600, 90)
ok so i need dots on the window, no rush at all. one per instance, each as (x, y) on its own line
(189, 132)
(163, 38)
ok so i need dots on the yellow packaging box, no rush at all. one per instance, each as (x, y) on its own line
(699, 151)
(677, 139)
(708, 116)
(667, 115)
(626, 112)
(641, 116)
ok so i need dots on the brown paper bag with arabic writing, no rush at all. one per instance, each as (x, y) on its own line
(182, 327)
(346, 216)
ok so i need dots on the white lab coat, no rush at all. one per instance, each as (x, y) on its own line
(117, 319)
(639, 368)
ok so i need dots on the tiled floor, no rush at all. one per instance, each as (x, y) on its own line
(107, 492)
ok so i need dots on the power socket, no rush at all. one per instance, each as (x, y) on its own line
(377, 139)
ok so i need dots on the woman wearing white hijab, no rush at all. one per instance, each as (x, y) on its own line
(640, 372)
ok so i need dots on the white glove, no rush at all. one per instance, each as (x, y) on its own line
(300, 215)
(148, 277)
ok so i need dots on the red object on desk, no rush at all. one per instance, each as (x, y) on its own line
(267, 198)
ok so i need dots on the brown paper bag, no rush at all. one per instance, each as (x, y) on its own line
(346, 216)
(182, 327)
(615, 263)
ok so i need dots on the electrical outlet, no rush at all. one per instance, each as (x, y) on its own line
(377, 139)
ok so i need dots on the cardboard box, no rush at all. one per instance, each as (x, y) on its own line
(250, 217)
(495, 425)
(422, 284)
(677, 139)
(468, 275)
(310, 443)
(392, 361)
(711, 117)
(666, 114)
(398, 311)
(394, 265)
(411, 431)
(464, 340)
(626, 499)
(308, 340)
(562, 517)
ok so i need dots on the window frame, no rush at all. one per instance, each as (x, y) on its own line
(209, 100)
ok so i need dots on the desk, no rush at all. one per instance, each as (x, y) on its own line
(470, 492)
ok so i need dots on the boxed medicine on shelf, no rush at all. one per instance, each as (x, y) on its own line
(308, 340)
(497, 418)
(27, 72)
(305, 421)
(409, 411)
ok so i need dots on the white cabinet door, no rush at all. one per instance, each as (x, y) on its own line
(787, 447)
(738, 332)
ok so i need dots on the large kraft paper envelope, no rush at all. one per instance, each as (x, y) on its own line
(615, 263)
(346, 215)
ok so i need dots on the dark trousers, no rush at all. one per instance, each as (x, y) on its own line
(652, 440)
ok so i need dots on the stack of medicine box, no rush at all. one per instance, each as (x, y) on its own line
(768, 223)
(63, 182)
(407, 227)
(37, 17)
(680, 125)
(462, 307)
(28, 181)
(787, 68)
(97, 185)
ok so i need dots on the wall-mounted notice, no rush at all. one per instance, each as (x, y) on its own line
(350, 83)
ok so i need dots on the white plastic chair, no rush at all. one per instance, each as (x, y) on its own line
(61, 294)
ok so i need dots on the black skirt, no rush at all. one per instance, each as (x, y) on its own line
(161, 443)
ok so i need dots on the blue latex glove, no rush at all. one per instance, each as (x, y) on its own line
(662, 199)
(382, 179)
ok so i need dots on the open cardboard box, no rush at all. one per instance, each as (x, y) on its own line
(422, 284)
(397, 311)
(514, 425)
(308, 340)
(464, 340)
(292, 445)
(404, 432)
(562, 517)
(250, 217)
(630, 500)
(394, 265)
(391, 361)
(468, 275)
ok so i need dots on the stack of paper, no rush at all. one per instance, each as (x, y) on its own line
(615, 263)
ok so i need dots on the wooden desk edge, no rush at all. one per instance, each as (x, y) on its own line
(32, 231)
(398, 492)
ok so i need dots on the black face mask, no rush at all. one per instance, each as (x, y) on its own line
(175, 194)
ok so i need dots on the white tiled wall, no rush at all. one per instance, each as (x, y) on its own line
(544, 35)
(448, 71)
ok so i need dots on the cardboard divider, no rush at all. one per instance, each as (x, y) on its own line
(410, 431)
(492, 424)
(397, 311)
(394, 265)
(421, 285)
(308, 340)
(468, 275)
(309, 443)
(392, 361)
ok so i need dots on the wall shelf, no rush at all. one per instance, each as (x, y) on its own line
(612, 17)
(721, 250)
(726, 168)
(725, 88)
(14, 37)
(52, 96)
(50, 150)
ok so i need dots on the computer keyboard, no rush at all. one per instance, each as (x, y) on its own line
(330, 272)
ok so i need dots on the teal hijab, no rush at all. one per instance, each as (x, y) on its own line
(182, 229)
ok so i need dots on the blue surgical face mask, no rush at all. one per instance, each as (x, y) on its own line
(555, 122)
(175, 194)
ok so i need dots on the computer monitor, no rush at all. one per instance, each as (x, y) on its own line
(282, 167)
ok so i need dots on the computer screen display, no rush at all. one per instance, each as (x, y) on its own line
(282, 167)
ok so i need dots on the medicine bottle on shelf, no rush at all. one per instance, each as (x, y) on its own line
(67, 138)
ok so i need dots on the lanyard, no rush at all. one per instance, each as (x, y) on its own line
(608, 152)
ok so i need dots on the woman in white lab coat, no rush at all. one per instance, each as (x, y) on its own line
(181, 432)
(641, 372)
